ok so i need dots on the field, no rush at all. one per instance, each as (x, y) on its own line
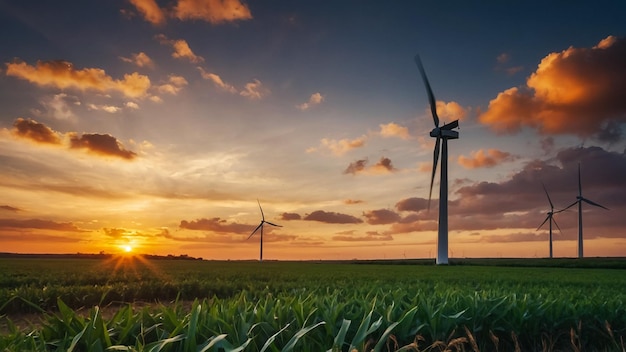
(134, 304)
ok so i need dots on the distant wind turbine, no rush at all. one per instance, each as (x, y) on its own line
(550, 218)
(579, 200)
(442, 133)
(261, 227)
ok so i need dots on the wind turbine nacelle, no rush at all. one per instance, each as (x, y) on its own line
(448, 134)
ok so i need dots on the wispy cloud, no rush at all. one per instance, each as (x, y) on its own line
(212, 11)
(394, 130)
(217, 80)
(368, 237)
(315, 99)
(217, 225)
(150, 11)
(173, 86)
(63, 75)
(254, 90)
(383, 166)
(339, 147)
(38, 224)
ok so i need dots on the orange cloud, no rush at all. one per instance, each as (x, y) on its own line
(383, 166)
(340, 147)
(450, 111)
(38, 224)
(35, 131)
(174, 85)
(352, 201)
(216, 225)
(394, 130)
(139, 59)
(485, 158)
(212, 11)
(181, 48)
(369, 236)
(576, 91)
(101, 144)
(62, 75)
(150, 10)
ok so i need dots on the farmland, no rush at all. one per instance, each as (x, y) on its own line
(130, 303)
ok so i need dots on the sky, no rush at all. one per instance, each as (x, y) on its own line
(156, 126)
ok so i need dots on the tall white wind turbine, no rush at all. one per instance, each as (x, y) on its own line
(550, 217)
(442, 134)
(579, 200)
(261, 227)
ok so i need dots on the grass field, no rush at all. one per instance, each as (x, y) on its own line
(127, 303)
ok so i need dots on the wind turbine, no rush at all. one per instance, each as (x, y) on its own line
(442, 134)
(550, 218)
(580, 199)
(261, 227)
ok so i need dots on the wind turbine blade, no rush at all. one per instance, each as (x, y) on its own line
(547, 217)
(255, 230)
(435, 161)
(269, 223)
(557, 225)
(549, 200)
(569, 206)
(262, 215)
(593, 203)
(452, 125)
(431, 97)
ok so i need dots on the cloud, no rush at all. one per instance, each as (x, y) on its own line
(212, 11)
(38, 224)
(352, 201)
(485, 158)
(412, 204)
(340, 147)
(9, 208)
(290, 216)
(62, 75)
(315, 99)
(150, 11)
(181, 48)
(217, 225)
(383, 166)
(131, 105)
(140, 59)
(576, 91)
(254, 90)
(450, 111)
(101, 144)
(35, 131)
(503, 59)
(111, 109)
(174, 85)
(394, 130)
(217, 80)
(369, 236)
(332, 218)
(356, 167)
(59, 106)
(381, 216)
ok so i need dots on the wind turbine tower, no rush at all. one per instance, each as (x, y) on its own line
(550, 217)
(580, 199)
(442, 134)
(261, 232)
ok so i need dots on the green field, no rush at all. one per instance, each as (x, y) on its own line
(185, 305)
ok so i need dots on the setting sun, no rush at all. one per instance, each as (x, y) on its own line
(127, 248)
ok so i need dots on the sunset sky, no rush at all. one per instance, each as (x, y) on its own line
(158, 124)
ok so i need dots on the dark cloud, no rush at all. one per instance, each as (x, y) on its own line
(576, 91)
(290, 216)
(9, 208)
(332, 217)
(381, 217)
(35, 131)
(38, 224)
(356, 167)
(216, 225)
(34, 237)
(102, 144)
(412, 204)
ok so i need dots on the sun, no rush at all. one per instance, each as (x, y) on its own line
(127, 248)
